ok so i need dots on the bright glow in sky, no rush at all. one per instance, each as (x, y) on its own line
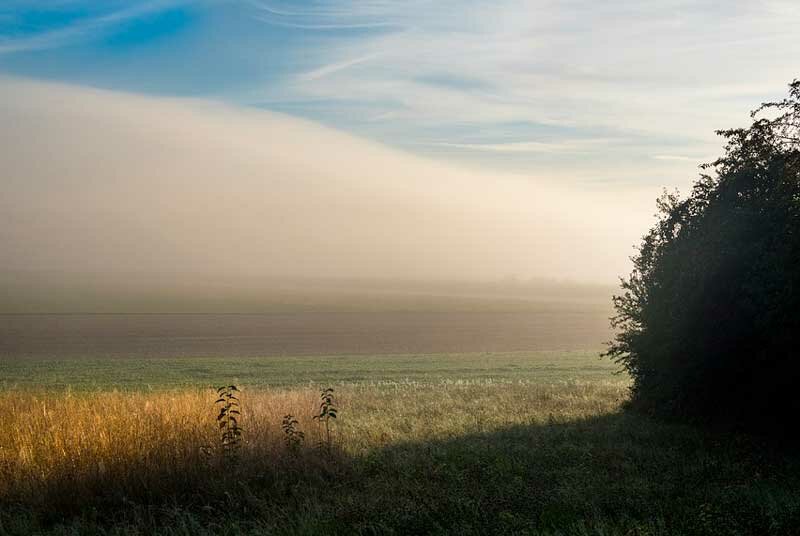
(607, 100)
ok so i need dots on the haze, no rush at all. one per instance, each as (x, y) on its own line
(126, 190)
(228, 149)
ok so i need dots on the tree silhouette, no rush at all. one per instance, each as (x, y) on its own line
(709, 319)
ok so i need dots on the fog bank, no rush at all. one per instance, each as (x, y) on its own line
(125, 191)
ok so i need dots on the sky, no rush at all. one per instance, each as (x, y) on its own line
(417, 138)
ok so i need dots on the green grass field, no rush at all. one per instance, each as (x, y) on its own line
(522, 443)
(161, 373)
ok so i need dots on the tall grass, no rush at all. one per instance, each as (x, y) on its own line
(471, 457)
(62, 449)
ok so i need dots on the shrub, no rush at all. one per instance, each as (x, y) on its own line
(293, 437)
(709, 319)
(327, 412)
(228, 421)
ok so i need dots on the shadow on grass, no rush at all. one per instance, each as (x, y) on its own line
(620, 472)
(613, 474)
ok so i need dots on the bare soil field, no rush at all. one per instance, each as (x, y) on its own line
(55, 336)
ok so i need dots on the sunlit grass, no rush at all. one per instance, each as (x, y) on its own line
(104, 440)
(474, 455)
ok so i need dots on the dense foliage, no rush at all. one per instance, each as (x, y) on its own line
(708, 322)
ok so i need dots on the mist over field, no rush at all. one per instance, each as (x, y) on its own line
(334, 267)
(107, 195)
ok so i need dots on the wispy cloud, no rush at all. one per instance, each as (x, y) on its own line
(82, 28)
(562, 146)
(655, 73)
(674, 157)
(326, 70)
(317, 17)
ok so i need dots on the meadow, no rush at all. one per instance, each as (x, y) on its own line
(481, 443)
(149, 374)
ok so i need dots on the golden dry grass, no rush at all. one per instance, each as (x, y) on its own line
(146, 443)
(453, 457)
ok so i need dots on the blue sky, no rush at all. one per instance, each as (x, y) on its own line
(622, 92)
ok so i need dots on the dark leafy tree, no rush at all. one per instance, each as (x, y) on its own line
(708, 322)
